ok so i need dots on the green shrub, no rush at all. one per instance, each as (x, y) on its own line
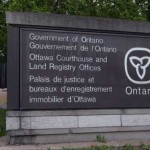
(101, 138)
(2, 122)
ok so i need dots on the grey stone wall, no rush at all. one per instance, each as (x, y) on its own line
(77, 125)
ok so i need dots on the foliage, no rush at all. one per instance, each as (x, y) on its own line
(144, 147)
(129, 147)
(48, 148)
(101, 138)
(3, 29)
(2, 122)
(124, 9)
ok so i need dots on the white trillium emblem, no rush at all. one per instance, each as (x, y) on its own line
(140, 65)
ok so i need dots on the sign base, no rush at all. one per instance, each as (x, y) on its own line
(43, 127)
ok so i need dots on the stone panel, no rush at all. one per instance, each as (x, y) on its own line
(135, 120)
(12, 123)
(54, 122)
(99, 121)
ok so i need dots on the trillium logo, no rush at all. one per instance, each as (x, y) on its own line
(140, 64)
(137, 67)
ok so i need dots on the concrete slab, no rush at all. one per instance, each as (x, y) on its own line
(53, 122)
(99, 121)
(135, 120)
(12, 123)
(69, 21)
(77, 112)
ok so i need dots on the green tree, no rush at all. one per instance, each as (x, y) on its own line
(3, 31)
(123, 9)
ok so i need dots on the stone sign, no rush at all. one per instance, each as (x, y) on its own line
(71, 69)
(77, 77)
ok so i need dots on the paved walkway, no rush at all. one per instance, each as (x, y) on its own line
(5, 140)
(3, 98)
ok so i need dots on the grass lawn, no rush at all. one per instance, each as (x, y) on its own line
(2, 122)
